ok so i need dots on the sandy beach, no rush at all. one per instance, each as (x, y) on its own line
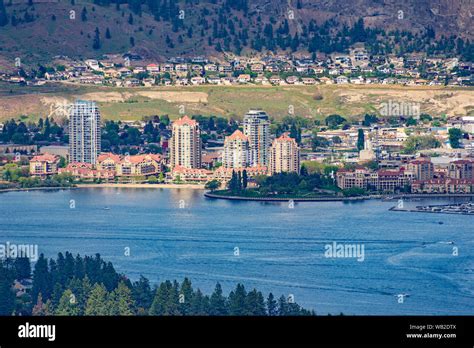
(148, 186)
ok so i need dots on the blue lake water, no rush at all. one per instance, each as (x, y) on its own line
(281, 250)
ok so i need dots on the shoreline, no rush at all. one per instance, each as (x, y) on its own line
(85, 186)
(335, 199)
(151, 186)
(301, 199)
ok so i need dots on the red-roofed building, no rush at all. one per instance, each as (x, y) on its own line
(137, 165)
(423, 169)
(461, 169)
(443, 186)
(44, 165)
(86, 171)
(179, 173)
(140, 165)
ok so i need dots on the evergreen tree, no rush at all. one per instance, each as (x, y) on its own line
(121, 301)
(7, 296)
(360, 139)
(83, 14)
(107, 34)
(272, 306)
(96, 44)
(217, 302)
(97, 303)
(237, 301)
(3, 14)
(158, 305)
(41, 279)
(186, 298)
(142, 294)
(68, 304)
(172, 303)
(22, 267)
(254, 303)
(244, 179)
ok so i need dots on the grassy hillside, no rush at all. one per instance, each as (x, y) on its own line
(231, 101)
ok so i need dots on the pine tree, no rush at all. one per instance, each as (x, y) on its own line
(237, 300)
(121, 301)
(272, 307)
(159, 302)
(282, 306)
(97, 302)
(96, 44)
(244, 179)
(22, 267)
(142, 294)
(41, 279)
(107, 34)
(360, 139)
(84, 14)
(186, 298)
(3, 14)
(255, 303)
(217, 302)
(7, 296)
(68, 304)
(200, 304)
(172, 303)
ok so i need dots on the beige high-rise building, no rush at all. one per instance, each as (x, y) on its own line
(256, 126)
(236, 151)
(284, 155)
(185, 144)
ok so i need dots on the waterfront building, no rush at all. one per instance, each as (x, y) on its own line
(183, 174)
(185, 144)
(443, 186)
(129, 166)
(140, 165)
(423, 169)
(87, 172)
(44, 165)
(358, 177)
(224, 175)
(236, 151)
(381, 180)
(84, 132)
(284, 155)
(257, 128)
(461, 169)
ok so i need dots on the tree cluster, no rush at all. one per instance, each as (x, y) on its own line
(88, 285)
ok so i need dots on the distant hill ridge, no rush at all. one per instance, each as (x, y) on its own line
(36, 30)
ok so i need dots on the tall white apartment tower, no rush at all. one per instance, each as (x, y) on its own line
(257, 129)
(236, 151)
(84, 132)
(185, 143)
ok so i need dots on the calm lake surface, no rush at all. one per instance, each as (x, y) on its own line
(281, 250)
